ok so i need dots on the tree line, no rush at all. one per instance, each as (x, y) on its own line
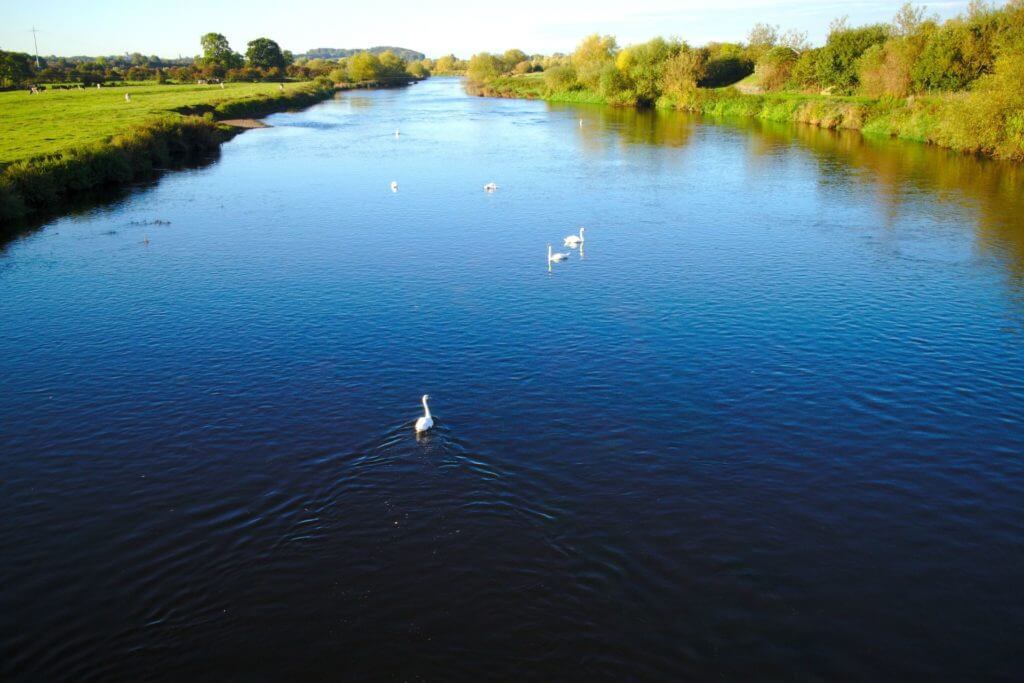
(263, 60)
(914, 54)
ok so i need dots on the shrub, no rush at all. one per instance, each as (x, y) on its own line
(775, 67)
(560, 78)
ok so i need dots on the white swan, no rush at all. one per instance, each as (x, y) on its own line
(394, 186)
(397, 133)
(426, 422)
(556, 257)
(490, 187)
(573, 241)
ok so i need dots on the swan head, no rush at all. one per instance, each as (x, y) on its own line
(426, 396)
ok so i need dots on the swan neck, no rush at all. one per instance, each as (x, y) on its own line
(426, 408)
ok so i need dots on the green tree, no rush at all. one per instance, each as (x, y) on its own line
(775, 67)
(15, 68)
(364, 66)
(837, 62)
(590, 57)
(683, 70)
(264, 53)
(483, 68)
(217, 52)
(511, 58)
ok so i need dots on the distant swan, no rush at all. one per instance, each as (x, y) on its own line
(426, 422)
(490, 187)
(581, 123)
(556, 256)
(573, 241)
(397, 134)
(394, 186)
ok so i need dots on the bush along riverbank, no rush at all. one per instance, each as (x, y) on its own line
(958, 84)
(142, 151)
(980, 122)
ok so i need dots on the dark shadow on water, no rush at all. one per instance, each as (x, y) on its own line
(90, 201)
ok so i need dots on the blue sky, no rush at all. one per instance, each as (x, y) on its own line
(71, 27)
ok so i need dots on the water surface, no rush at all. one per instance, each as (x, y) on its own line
(766, 425)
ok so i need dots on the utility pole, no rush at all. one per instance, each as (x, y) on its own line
(36, 43)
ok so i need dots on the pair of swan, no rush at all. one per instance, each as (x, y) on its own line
(572, 241)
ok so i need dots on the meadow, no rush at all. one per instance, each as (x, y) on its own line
(61, 144)
(55, 121)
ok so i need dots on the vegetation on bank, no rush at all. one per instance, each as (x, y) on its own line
(64, 144)
(958, 84)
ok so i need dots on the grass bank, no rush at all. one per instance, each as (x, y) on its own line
(955, 121)
(61, 144)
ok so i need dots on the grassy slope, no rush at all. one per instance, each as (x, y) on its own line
(61, 145)
(57, 120)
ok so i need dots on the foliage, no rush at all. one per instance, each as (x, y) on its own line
(560, 78)
(775, 67)
(264, 53)
(683, 70)
(484, 67)
(15, 68)
(837, 61)
(591, 56)
(217, 52)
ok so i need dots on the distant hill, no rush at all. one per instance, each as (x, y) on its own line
(337, 53)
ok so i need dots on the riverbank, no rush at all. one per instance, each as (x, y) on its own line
(67, 144)
(964, 122)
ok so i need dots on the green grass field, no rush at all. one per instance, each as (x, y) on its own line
(57, 120)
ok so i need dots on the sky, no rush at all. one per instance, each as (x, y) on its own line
(169, 29)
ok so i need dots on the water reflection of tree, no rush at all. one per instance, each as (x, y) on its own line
(630, 126)
(897, 172)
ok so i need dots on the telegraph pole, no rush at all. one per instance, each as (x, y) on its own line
(36, 43)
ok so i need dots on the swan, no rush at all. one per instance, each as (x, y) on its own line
(426, 422)
(557, 256)
(397, 134)
(581, 123)
(394, 186)
(573, 241)
(490, 187)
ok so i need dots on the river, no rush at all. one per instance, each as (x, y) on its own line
(766, 424)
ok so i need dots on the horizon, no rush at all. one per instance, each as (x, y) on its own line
(69, 28)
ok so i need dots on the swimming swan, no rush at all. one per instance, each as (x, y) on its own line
(426, 422)
(557, 256)
(394, 186)
(573, 241)
(490, 187)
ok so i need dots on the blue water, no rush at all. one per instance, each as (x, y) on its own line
(766, 425)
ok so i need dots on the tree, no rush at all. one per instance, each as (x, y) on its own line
(761, 38)
(511, 58)
(683, 71)
(217, 52)
(15, 68)
(907, 20)
(590, 57)
(483, 67)
(775, 66)
(264, 53)
(363, 66)
(837, 61)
